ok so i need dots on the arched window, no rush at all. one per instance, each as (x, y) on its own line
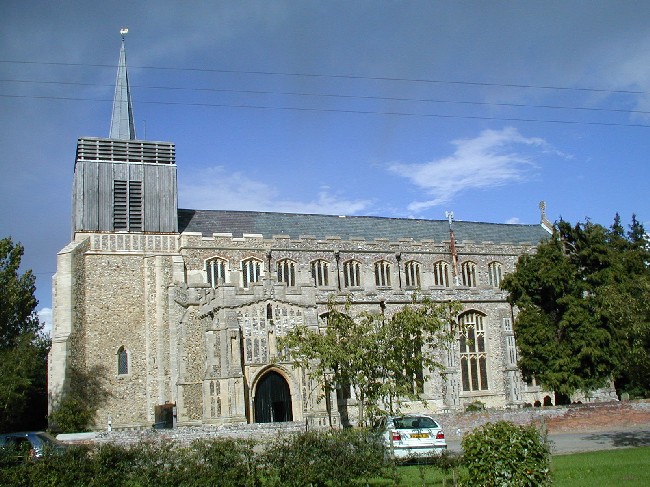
(122, 361)
(441, 274)
(412, 271)
(320, 272)
(468, 273)
(251, 271)
(494, 274)
(287, 272)
(473, 356)
(216, 270)
(352, 273)
(382, 274)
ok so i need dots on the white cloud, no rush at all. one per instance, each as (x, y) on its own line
(216, 188)
(513, 221)
(494, 158)
(45, 317)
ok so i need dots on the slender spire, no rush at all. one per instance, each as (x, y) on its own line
(122, 126)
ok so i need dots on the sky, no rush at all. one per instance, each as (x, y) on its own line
(400, 109)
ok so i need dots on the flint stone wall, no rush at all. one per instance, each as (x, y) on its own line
(557, 419)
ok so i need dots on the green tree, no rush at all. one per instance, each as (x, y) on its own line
(76, 410)
(384, 359)
(582, 301)
(23, 346)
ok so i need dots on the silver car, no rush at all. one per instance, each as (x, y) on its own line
(413, 435)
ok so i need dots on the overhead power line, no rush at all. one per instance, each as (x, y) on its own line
(336, 110)
(343, 76)
(335, 95)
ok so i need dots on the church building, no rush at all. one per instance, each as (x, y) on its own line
(177, 312)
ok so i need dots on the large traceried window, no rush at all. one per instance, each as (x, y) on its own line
(352, 273)
(382, 274)
(216, 270)
(320, 272)
(287, 272)
(412, 271)
(441, 274)
(468, 274)
(473, 356)
(251, 271)
(495, 274)
(122, 361)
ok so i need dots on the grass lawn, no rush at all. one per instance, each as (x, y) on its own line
(629, 466)
(608, 468)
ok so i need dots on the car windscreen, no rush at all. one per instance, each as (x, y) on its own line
(45, 438)
(414, 422)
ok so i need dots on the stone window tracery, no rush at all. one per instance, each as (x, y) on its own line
(287, 272)
(352, 273)
(251, 271)
(473, 355)
(495, 274)
(216, 271)
(412, 272)
(441, 274)
(320, 272)
(468, 274)
(382, 274)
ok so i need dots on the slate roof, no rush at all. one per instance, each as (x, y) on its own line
(297, 225)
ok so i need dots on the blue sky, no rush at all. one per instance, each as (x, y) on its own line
(400, 109)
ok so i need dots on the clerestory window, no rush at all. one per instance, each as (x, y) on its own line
(320, 272)
(251, 271)
(287, 272)
(216, 270)
(382, 274)
(468, 274)
(352, 273)
(494, 274)
(412, 272)
(441, 274)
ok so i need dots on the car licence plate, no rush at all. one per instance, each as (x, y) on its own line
(420, 435)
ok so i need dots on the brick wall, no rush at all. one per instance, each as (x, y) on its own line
(557, 419)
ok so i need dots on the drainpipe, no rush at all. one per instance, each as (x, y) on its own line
(398, 256)
(337, 256)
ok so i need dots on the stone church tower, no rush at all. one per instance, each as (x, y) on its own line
(174, 314)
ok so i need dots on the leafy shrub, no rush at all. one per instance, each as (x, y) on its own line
(314, 458)
(225, 462)
(504, 454)
(68, 467)
(72, 416)
(475, 406)
(324, 458)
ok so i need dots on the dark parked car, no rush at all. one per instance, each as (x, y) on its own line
(32, 443)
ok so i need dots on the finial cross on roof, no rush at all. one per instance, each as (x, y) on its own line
(450, 216)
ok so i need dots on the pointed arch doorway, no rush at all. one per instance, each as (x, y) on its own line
(273, 399)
